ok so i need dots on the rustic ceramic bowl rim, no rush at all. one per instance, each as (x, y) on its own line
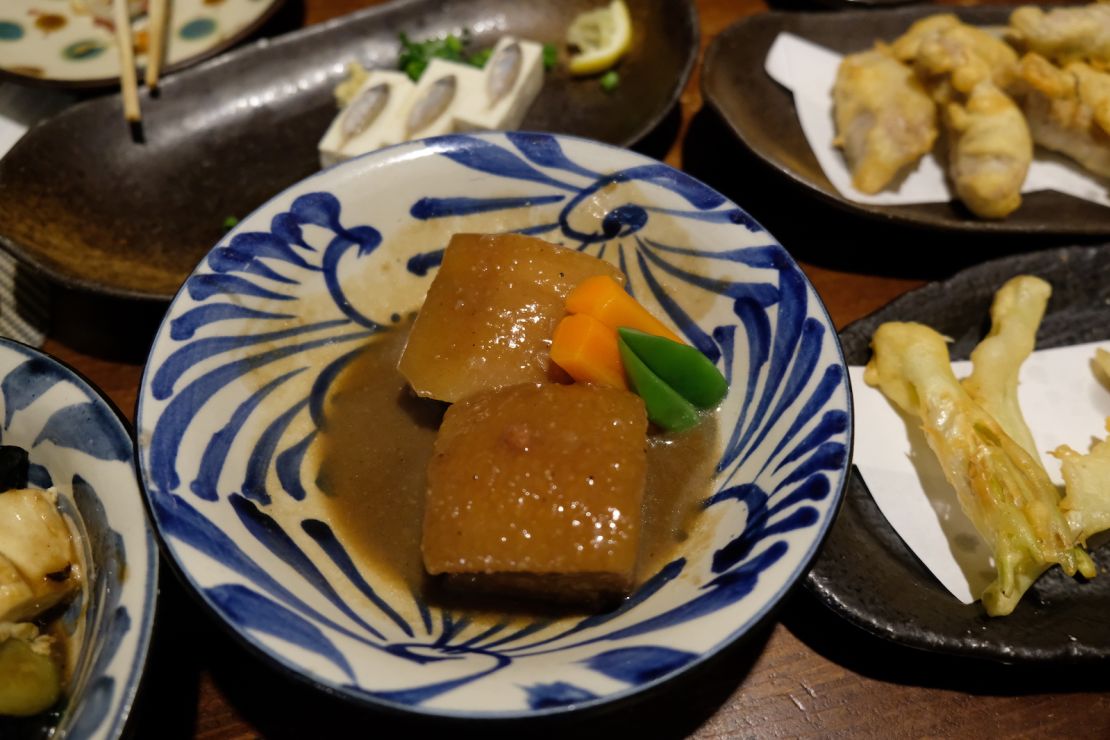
(288, 667)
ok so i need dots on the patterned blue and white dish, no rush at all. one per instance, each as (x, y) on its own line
(77, 443)
(236, 387)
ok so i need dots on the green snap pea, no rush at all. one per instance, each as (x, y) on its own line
(665, 407)
(680, 366)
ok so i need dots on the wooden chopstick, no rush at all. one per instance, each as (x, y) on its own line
(129, 86)
(156, 49)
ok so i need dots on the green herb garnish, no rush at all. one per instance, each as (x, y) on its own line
(610, 80)
(479, 58)
(415, 55)
(550, 56)
(230, 223)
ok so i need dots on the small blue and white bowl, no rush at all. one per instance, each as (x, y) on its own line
(77, 444)
(235, 392)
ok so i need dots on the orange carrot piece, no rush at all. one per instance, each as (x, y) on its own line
(605, 300)
(587, 350)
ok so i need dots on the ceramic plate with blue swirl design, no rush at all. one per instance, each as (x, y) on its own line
(237, 385)
(77, 444)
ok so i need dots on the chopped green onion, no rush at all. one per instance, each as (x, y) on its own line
(479, 58)
(230, 223)
(610, 80)
(415, 55)
(550, 56)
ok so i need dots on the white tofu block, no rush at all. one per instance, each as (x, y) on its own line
(511, 80)
(348, 136)
(433, 105)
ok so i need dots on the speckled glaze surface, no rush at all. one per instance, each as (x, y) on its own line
(84, 203)
(762, 115)
(867, 574)
(77, 443)
(237, 388)
(73, 42)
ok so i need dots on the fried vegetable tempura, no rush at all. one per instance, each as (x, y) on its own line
(989, 150)
(1068, 109)
(1087, 482)
(1065, 35)
(1001, 487)
(885, 121)
(1087, 477)
(1016, 312)
(1102, 361)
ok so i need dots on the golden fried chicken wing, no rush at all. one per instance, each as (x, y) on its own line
(1068, 109)
(1065, 35)
(885, 121)
(990, 149)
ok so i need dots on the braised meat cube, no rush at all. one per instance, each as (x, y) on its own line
(537, 490)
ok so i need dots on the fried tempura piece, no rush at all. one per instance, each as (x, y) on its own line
(885, 121)
(1087, 477)
(1002, 489)
(1102, 361)
(953, 57)
(1068, 109)
(964, 70)
(1087, 482)
(906, 46)
(1016, 312)
(1065, 35)
(990, 150)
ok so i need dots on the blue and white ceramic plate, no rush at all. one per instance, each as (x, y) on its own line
(237, 383)
(77, 444)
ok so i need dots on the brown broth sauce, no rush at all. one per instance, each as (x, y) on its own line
(376, 446)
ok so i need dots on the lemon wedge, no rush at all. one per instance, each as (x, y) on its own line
(602, 37)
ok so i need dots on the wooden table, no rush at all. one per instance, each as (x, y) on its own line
(808, 673)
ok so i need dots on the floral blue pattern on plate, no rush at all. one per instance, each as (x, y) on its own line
(76, 443)
(236, 390)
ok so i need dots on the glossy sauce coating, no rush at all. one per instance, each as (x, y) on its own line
(538, 479)
(489, 315)
(379, 440)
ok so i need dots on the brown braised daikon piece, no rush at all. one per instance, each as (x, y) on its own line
(489, 315)
(536, 491)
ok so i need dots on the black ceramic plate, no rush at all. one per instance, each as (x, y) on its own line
(762, 114)
(82, 202)
(868, 576)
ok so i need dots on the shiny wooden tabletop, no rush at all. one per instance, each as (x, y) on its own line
(806, 673)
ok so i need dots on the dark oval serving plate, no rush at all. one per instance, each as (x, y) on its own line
(763, 117)
(82, 202)
(867, 575)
